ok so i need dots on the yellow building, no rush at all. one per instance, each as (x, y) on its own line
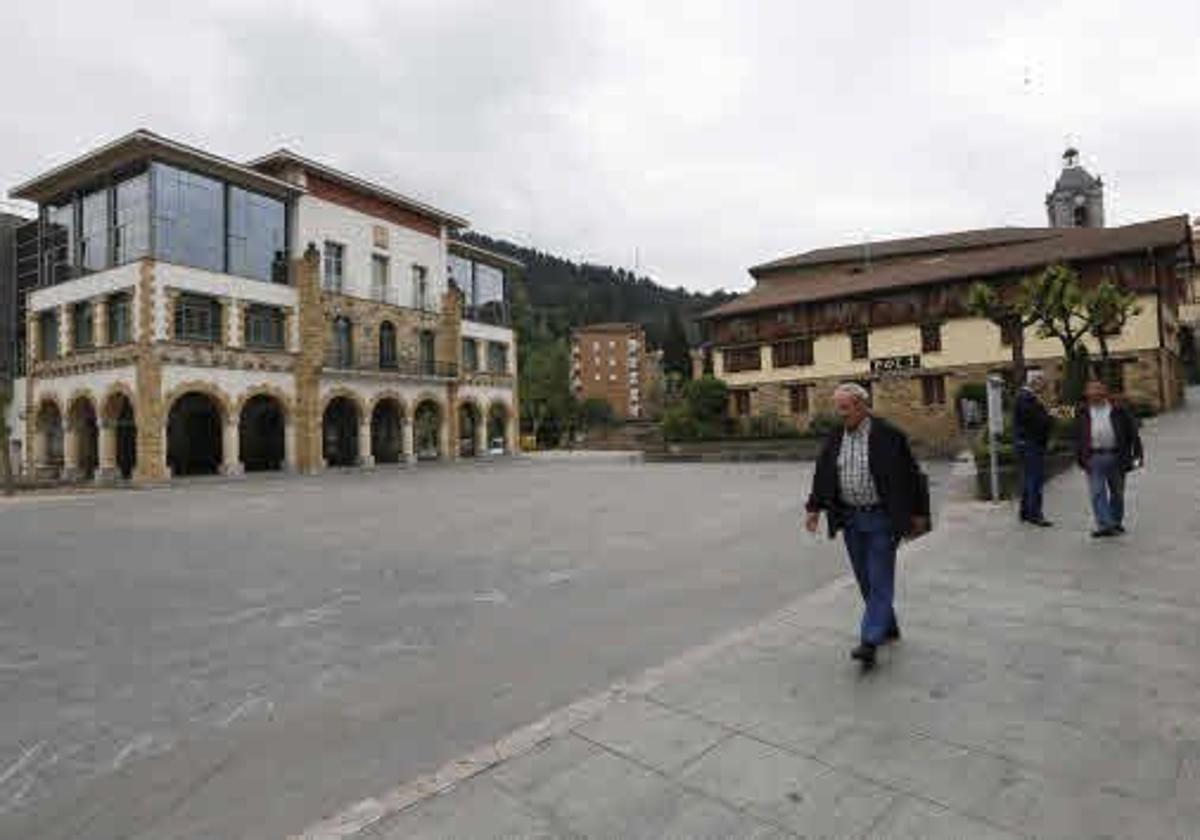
(894, 317)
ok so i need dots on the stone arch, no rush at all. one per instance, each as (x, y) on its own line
(388, 411)
(82, 441)
(429, 419)
(342, 411)
(471, 425)
(196, 415)
(47, 447)
(118, 433)
(499, 420)
(263, 418)
(286, 404)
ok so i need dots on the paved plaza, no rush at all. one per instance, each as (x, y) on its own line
(1048, 686)
(240, 659)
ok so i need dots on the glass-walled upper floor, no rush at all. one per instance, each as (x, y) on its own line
(483, 288)
(172, 214)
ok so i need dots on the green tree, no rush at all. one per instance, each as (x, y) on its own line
(1057, 302)
(676, 353)
(1108, 308)
(1009, 314)
(547, 405)
(597, 413)
(707, 401)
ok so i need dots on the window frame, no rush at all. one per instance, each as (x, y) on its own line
(273, 317)
(333, 253)
(89, 321)
(49, 345)
(860, 344)
(739, 359)
(471, 366)
(798, 399)
(933, 390)
(191, 305)
(389, 358)
(931, 337)
(119, 310)
(379, 290)
(497, 351)
(793, 352)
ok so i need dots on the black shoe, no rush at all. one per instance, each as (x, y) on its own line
(865, 654)
(1120, 529)
(1100, 533)
(1041, 522)
(893, 635)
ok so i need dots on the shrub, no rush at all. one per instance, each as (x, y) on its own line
(679, 425)
(706, 399)
(597, 413)
(1142, 409)
(822, 424)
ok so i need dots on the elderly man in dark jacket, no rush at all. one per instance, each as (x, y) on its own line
(1107, 447)
(1031, 434)
(870, 488)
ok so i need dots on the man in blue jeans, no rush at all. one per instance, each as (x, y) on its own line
(869, 486)
(1031, 434)
(1107, 447)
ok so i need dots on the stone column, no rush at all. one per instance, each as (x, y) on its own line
(481, 438)
(447, 440)
(231, 450)
(365, 458)
(66, 331)
(407, 443)
(106, 470)
(289, 445)
(70, 450)
(512, 441)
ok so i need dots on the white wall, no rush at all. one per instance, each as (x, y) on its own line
(319, 220)
(221, 285)
(15, 415)
(484, 333)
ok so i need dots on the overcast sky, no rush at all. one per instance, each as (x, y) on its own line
(702, 137)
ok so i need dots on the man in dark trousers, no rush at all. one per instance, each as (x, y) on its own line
(1031, 434)
(1107, 447)
(870, 488)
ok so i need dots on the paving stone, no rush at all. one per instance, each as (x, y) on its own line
(913, 819)
(532, 770)
(475, 809)
(799, 793)
(652, 734)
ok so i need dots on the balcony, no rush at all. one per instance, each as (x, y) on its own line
(400, 368)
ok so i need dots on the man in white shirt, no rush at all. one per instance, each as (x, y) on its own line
(1108, 446)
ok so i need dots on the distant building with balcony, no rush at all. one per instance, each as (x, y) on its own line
(189, 314)
(610, 362)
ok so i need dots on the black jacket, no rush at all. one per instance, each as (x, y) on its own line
(1031, 421)
(1125, 428)
(898, 481)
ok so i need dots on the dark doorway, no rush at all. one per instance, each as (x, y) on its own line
(340, 433)
(468, 430)
(194, 436)
(122, 414)
(385, 432)
(261, 432)
(498, 428)
(87, 438)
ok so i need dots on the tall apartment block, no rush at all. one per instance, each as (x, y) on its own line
(610, 362)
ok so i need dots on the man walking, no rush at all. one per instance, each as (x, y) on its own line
(1031, 434)
(1107, 447)
(868, 484)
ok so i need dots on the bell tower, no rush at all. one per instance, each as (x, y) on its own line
(1077, 199)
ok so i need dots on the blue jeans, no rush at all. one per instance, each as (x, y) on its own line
(1106, 485)
(1033, 479)
(872, 551)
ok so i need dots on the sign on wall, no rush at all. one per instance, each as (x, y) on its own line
(895, 364)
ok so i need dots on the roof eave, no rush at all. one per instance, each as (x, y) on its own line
(137, 144)
(354, 182)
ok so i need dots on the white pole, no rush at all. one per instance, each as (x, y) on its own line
(995, 386)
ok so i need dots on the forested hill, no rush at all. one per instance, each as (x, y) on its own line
(563, 294)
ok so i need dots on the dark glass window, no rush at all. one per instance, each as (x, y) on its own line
(931, 338)
(197, 318)
(48, 334)
(859, 346)
(470, 355)
(343, 347)
(335, 257)
(81, 326)
(189, 218)
(264, 326)
(131, 222)
(120, 318)
(742, 358)
(93, 231)
(489, 285)
(257, 234)
(741, 403)
(420, 287)
(933, 390)
(459, 270)
(379, 277)
(497, 357)
(798, 398)
(59, 245)
(426, 353)
(387, 345)
(796, 353)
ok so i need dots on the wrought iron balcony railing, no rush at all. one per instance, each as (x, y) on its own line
(413, 368)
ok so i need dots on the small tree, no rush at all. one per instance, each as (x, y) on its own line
(1108, 308)
(1010, 315)
(597, 413)
(1056, 301)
